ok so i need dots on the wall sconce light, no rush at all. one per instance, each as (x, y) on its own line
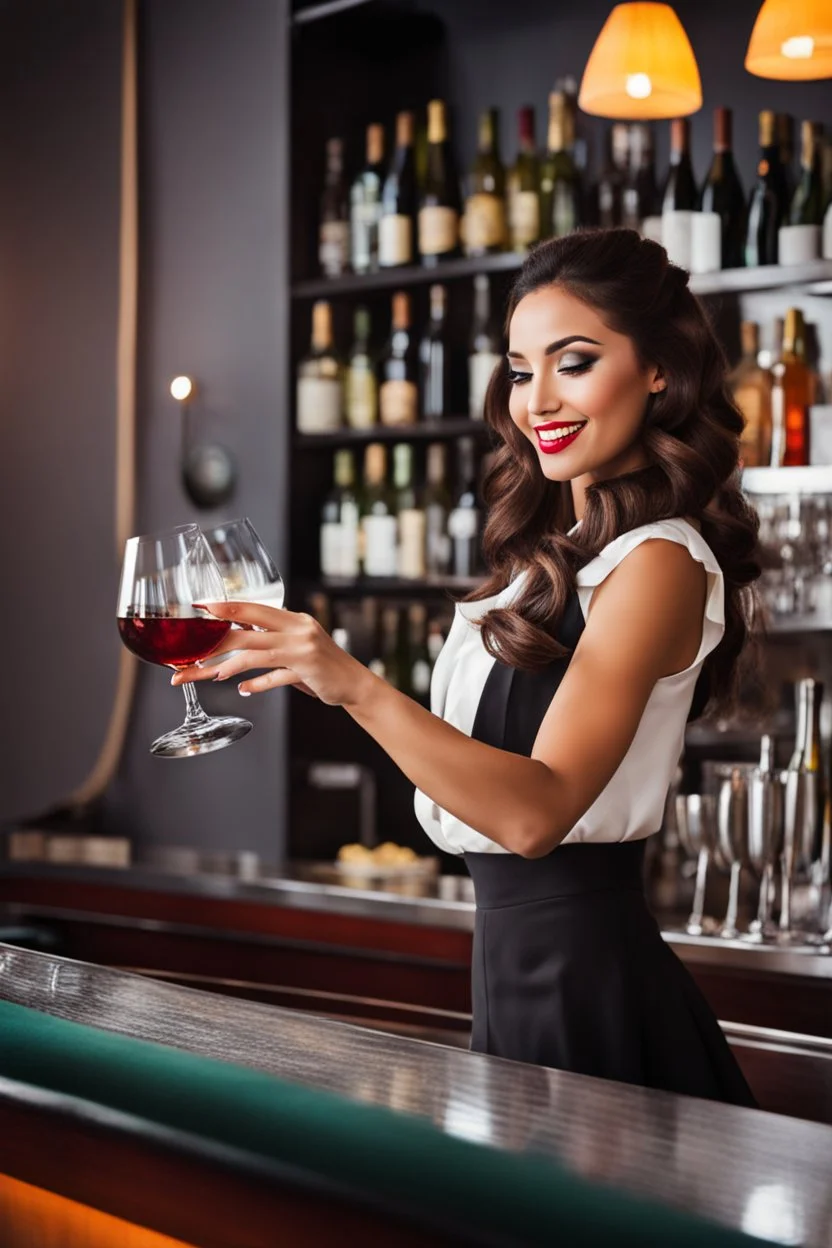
(792, 41)
(642, 66)
(209, 471)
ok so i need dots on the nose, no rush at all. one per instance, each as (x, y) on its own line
(543, 396)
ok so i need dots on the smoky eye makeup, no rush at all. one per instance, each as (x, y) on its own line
(574, 362)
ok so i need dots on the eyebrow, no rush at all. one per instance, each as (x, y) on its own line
(556, 346)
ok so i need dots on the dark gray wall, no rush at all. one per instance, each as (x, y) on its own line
(213, 115)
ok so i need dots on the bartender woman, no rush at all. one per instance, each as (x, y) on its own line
(620, 551)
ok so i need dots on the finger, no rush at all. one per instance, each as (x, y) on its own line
(273, 680)
(272, 618)
(241, 639)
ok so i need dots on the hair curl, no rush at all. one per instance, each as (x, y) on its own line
(690, 433)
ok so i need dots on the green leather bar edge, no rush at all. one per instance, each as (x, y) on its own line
(369, 1148)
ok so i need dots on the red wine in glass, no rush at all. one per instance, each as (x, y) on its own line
(172, 640)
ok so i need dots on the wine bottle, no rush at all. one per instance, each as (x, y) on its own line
(410, 515)
(523, 187)
(751, 388)
(378, 516)
(609, 210)
(391, 663)
(439, 199)
(398, 199)
(784, 138)
(768, 202)
(340, 521)
(679, 191)
(437, 505)
(434, 359)
(483, 226)
(361, 389)
(797, 383)
(365, 204)
(640, 199)
(334, 225)
(419, 661)
(464, 520)
(320, 382)
(485, 348)
(398, 393)
(807, 202)
(722, 192)
(560, 192)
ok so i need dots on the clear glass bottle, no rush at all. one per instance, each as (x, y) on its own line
(378, 538)
(361, 388)
(464, 522)
(365, 204)
(410, 515)
(320, 378)
(398, 395)
(437, 503)
(340, 521)
(434, 359)
(484, 353)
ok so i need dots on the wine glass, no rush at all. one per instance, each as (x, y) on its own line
(162, 576)
(247, 568)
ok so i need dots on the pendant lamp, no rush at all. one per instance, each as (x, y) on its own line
(641, 67)
(792, 40)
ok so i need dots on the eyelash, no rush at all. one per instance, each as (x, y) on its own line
(517, 379)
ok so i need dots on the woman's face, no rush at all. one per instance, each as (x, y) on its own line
(578, 391)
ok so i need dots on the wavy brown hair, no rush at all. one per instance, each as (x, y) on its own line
(690, 433)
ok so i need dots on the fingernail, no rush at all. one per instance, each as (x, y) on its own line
(173, 679)
(198, 663)
(219, 676)
(244, 693)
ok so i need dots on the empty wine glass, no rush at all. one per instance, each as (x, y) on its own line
(162, 576)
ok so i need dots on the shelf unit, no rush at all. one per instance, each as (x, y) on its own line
(368, 586)
(422, 431)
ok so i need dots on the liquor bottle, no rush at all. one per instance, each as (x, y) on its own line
(410, 515)
(434, 359)
(334, 225)
(483, 226)
(464, 520)
(398, 394)
(340, 521)
(722, 193)
(439, 199)
(640, 199)
(485, 347)
(419, 661)
(784, 138)
(398, 200)
(679, 191)
(751, 388)
(361, 388)
(437, 504)
(609, 208)
(523, 187)
(320, 382)
(807, 202)
(560, 192)
(378, 516)
(365, 204)
(768, 202)
(798, 390)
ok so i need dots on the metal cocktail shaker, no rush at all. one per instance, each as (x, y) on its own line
(804, 800)
(765, 835)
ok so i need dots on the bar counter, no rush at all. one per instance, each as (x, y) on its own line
(763, 1175)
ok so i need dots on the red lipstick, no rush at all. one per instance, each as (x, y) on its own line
(551, 446)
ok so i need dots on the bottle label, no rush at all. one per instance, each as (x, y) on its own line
(480, 367)
(420, 677)
(398, 402)
(380, 555)
(438, 230)
(525, 218)
(334, 247)
(484, 224)
(361, 398)
(320, 404)
(412, 542)
(395, 241)
(339, 545)
(463, 523)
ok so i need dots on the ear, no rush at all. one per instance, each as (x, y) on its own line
(657, 381)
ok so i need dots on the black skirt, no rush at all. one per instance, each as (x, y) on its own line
(570, 970)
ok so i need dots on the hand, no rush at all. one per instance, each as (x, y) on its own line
(300, 651)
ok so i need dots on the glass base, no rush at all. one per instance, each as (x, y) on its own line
(201, 737)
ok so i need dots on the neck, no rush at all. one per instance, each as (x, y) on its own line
(629, 461)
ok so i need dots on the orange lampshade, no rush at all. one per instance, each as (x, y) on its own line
(792, 40)
(641, 67)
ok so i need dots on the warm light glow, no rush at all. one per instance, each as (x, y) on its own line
(642, 66)
(181, 388)
(639, 86)
(792, 40)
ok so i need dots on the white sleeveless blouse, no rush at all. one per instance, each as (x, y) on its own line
(632, 804)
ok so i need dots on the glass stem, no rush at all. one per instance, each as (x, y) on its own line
(194, 713)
